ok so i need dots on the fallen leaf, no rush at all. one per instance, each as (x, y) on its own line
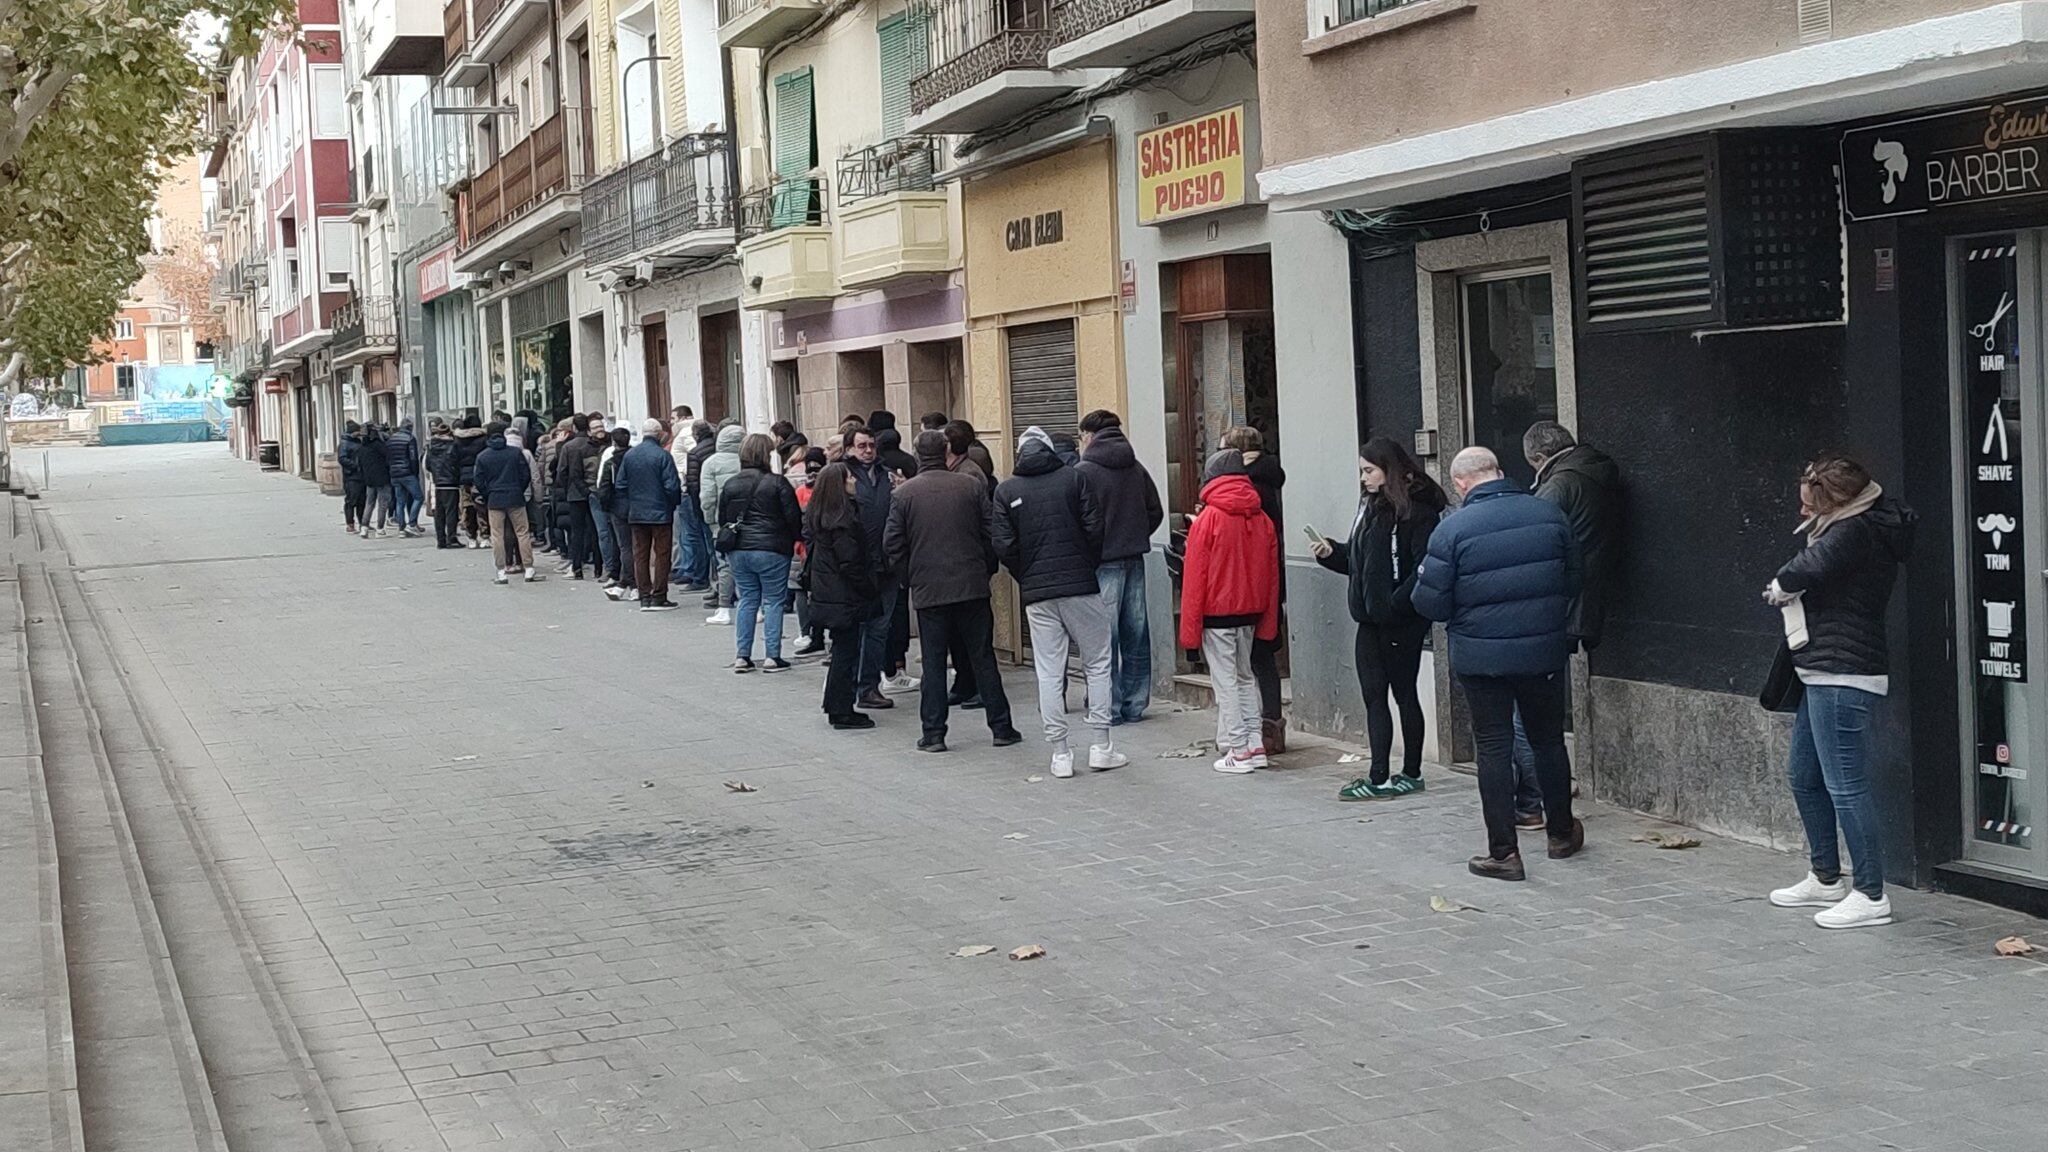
(647, 783)
(1028, 952)
(1665, 840)
(1446, 904)
(740, 786)
(1193, 751)
(2014, 946)
(460, 759)
(1350, 758)
(1016, 836)
(976, 950)
(1033, 779)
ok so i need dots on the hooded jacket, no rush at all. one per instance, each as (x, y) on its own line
(647, 484)
(1844, 579)
(1124, 491)
(1230, 577)
(1500, 576)
(441, 464)
(889, 451)
(404, 451)
(1383, 555)
(345, 455)
(1585, 484)
(574, 466)
(469, 444)
(722, 465)
(373, 462)
(939, 537)
(763, 511)
(1047, 527)
(501, 475)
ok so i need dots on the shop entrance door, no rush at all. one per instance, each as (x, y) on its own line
(1996, 310)
(654, 347)
(1510, 362)
(719, 346)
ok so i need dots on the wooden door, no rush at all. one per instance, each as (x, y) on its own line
(654, 347)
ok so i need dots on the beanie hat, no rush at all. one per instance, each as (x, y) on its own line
(1229, 462)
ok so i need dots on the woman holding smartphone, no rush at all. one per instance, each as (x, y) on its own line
(1389, 537)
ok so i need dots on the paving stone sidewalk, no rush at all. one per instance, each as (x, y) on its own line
(485, 838)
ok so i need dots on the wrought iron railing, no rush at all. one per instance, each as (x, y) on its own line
(653, 200)
(783, 204)
(530, 172)
(1074, 19)
(365, 322)
(904, 164)
(976, 40)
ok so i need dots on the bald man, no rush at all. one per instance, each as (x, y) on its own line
(1500, 576)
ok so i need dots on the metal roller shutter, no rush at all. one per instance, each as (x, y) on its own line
(1044, 389)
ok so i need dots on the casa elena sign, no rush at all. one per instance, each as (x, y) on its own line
(1192, 167)
(1983, 155)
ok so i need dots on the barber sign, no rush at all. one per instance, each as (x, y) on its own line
(1192, 167)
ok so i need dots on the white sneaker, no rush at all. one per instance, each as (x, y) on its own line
(1063, 764)
(898, 684)
(1234, 763)
(1256, 757)
(722, 616)
(807, 647)
(1811, 893)
(501, 578)
(1856, 911)
(533, 576)
(1103, 757)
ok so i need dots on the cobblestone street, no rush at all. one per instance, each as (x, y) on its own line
(484, 838)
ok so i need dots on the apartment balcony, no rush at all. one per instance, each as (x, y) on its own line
(989, 64)
(1121, 33)
(893, 219)
(531, 192)
(403, 38)
(365, 327)
(786, 253)
(498, 28)
(760, 23)
(674, 204)
(459, 68)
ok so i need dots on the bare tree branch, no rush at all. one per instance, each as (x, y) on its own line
(35, 99)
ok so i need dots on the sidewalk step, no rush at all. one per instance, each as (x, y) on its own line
(141, 1083)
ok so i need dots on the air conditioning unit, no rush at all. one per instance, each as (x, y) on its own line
(1736, 229)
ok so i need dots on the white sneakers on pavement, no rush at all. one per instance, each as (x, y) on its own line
(722, 616)
(533, 576)
(1841, 906)
(1235, 762)
(1811, 893)
(898, 684)
(501, 578)
(1103, 757)
(1063, 764)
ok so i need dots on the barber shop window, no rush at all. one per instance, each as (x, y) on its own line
(1510, 352)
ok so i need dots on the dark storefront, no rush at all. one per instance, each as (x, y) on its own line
(1926, 365)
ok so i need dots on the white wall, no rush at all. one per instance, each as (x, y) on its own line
(680, 299)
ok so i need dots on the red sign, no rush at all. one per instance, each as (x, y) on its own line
(437, 274)
(274, 386)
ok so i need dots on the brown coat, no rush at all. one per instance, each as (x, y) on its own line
(940, 537)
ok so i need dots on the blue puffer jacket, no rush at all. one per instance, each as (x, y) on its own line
(646, 481)
(502, 477)
(404, 451)
(1500, 576)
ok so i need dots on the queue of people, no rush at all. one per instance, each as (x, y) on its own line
(856, 536)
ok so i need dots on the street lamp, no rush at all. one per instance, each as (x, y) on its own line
(626, 121)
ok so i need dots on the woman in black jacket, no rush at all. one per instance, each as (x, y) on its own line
(1832, 596)
(844, 583)
(759, 522)
(1389, 538)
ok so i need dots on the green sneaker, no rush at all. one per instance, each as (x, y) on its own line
(1395, 788)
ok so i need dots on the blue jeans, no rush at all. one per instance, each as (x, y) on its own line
(691, 552)
(607, 547)
(874, 641)
(761, 584)
(1528, 791)
(407, 497)
(1831, 783)
(1130, 641)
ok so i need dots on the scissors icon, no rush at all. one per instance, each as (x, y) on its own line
(1988, 330)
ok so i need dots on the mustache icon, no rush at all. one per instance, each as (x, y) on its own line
(1998, 524)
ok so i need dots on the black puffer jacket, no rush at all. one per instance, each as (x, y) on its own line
(842, 576)
(1586, 484)
(1383, 555)
(373, 461)
(469, 444)
(762, 509)
(1131, 511)
(1845, 580)
(699, 453)
(441, 463)
(1048, 528)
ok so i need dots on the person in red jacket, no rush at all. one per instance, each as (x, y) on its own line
(1230, 595)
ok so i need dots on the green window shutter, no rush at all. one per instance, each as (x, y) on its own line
(796, 148)
(905, 57)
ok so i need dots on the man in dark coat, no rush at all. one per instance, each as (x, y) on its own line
(1500, 576)
(446, 473)
(469, 444)
(406, 494)
(1048, 532)
(939, 540)
(572, 479)
(345, 457)
(1131, 512)
(501, 481)
(646, 481)
(873, 483)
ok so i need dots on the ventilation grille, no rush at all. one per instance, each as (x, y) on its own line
(1648, 250)
(1816, 20)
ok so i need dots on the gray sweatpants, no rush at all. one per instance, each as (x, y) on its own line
(1083, 622)
(1228, 652)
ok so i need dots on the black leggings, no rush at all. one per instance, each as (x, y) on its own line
(1266, 670)
(1389, 660)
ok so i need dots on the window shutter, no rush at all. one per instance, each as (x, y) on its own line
(1044, 381)
(796, 149)
(905, 56)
